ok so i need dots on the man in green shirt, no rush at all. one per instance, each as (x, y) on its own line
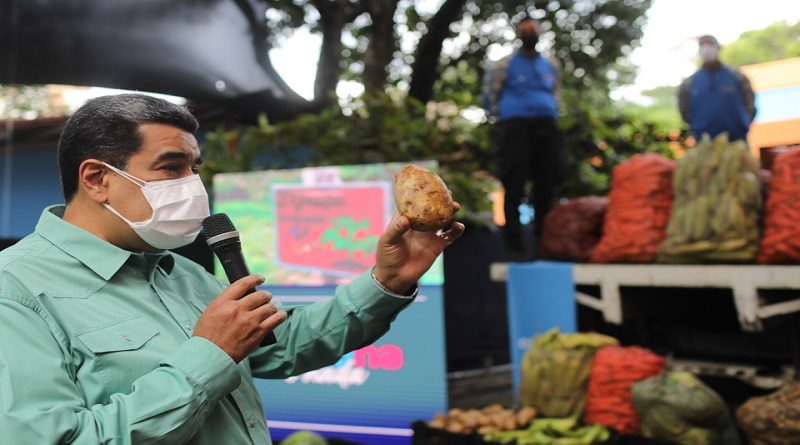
(107, 337)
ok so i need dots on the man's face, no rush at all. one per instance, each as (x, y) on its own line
(708, 49)
(528, 33)
(527, 28)
(166, 153)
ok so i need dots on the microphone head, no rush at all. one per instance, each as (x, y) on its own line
(218, 228)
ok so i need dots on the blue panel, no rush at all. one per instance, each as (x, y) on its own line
(541, 296)
(370, 396)
(34, 186)
(780, 104)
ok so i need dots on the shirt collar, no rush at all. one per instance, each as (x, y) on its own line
(104, 258)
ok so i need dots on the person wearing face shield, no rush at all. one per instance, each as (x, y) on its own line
(521, 97)
(108, 337)
(717, 98)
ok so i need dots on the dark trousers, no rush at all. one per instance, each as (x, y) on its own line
(529, 149)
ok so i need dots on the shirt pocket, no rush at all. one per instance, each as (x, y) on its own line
(119, 335)
(117, 353)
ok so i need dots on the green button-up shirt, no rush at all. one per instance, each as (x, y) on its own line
(96, 345)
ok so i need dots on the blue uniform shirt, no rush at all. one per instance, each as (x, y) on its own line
(529, 88)
(716, 104)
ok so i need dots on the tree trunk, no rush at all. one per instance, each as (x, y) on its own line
(333, 18)
(381, 45)
(425, 69)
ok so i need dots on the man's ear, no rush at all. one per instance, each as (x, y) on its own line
(93, 179)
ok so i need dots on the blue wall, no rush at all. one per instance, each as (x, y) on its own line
(780, 104)
(34, 184)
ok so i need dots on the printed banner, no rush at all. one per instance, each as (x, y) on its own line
(329, 228)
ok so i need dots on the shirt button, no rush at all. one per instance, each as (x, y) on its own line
(188, 327)
(252, 424)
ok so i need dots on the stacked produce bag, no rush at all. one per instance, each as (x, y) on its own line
(638, 210)
(773, 419)
(572, 229)
(781, 242)
(614, 372)
(677, 407)
(555, 372)
(715, 217)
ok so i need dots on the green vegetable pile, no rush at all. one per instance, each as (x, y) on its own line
(552, 432)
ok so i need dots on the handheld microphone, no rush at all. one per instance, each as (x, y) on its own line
(223, 239)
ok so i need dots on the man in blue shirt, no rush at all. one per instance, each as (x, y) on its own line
(521, 94)
(717, 98)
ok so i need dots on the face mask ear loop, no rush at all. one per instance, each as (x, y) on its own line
(125, 175)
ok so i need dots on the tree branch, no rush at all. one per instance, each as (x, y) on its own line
(426, 63)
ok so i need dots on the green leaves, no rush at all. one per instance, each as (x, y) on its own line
(373, 129)
(777, 41)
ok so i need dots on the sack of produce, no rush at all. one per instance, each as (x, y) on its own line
(781, 242)
(614, 372)
(715, 217)
(555, 372)
(572, 229)
(773, 419)
(638, 210)
(678, 407)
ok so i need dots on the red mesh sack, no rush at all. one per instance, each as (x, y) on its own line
(781, 241)
(572, 229)
(638, 210)
(614, 371)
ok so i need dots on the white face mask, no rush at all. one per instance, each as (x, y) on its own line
(709, 53)
(179, 208)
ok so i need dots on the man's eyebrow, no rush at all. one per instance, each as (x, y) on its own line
(176, 155)
(172, 156)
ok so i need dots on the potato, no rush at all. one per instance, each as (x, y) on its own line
(455, 413)
(471, 419)
(525, 416)
(484, 420)
(493, 408)
(499, 420)
(423, 198)
(487, 430)
(455, 427)
(438, 422)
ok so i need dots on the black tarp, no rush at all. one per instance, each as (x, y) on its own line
(211, 51)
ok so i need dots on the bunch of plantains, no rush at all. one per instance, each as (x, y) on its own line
(717, 207)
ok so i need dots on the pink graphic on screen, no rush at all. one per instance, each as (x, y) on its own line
(331, 228)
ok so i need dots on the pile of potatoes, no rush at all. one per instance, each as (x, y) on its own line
(487, 420)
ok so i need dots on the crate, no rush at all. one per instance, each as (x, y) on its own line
(425, 435)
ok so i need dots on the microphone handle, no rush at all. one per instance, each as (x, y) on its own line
(235, 268)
